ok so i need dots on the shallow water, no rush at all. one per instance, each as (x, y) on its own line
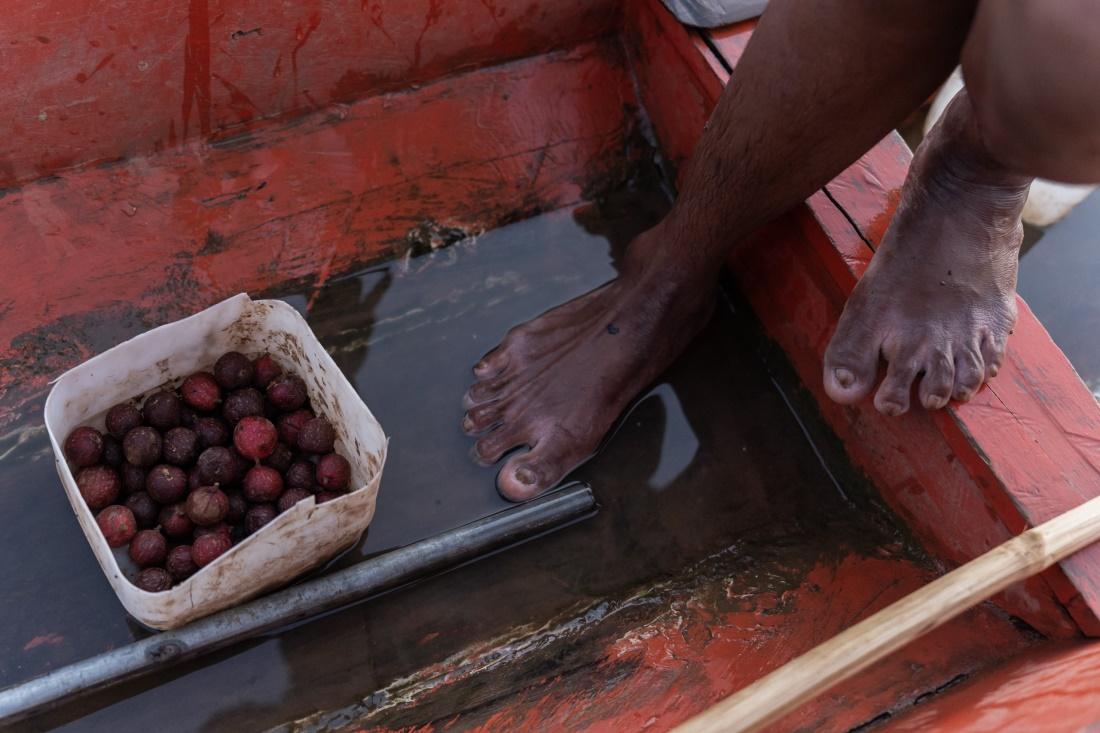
(1058, 278)
(712, 454)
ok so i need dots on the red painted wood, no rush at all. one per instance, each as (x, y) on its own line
(87, 81)
(965, 479)
(167, 235)
(1053, 691)
(711, 642)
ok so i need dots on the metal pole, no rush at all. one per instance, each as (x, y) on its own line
(296, 603)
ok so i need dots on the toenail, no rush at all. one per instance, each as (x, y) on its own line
(993, 369)
(467, 423)
(525, 476)
(844, 377)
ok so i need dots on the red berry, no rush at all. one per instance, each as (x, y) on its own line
(211, 431)
(317, 436)
(99, 485)
(238, 505)
(84, 447)
(117, 524)
(291, 424)
(207, 506)
(142, 446)
(154, 580)
(162, 410)
(179, 563)
(300, 476)
(166, 484)
(123, 418)
(262, 484)
(241, 404)
(145, 510)
(287, 392)
(208, 547)
(133, 478)
(280, 458)
(201, 391)
(333, 472)
(148, 548)
(217, 466)
(219, 528)
(181, 446)
(112, 451)
(174, 521)
(255, 438)
(290, 497)
(266, 369)
(233, 370)
(257, 516)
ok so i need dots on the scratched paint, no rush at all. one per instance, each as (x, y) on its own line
(93, 81)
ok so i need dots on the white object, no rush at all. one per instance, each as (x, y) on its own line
(1048, 201)
(301, 538)
(714, 13)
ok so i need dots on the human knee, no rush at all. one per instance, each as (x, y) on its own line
(1032, 69)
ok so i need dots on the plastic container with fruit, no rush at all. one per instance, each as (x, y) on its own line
(214, 458)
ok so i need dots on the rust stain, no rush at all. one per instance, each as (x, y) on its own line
(240, 103)
(435, 12)
(196, 66)
(43, 640)
(301, 36)
(82, 77)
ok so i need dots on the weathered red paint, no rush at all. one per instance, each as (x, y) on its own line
(173, 233)
(1055, 690)
(711, 641)
(89, 81)
(967, 478)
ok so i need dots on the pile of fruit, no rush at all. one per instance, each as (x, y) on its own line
(196, 469)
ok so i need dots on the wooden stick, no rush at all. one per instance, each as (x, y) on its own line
(856, 648)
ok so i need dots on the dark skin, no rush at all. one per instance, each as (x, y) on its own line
(557, 384)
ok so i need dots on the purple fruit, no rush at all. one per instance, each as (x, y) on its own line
(142, 446)
(84, 447)
(162, 410)
(166, 484)
(99, 485)
(287, 392)
(123, 418)
(233, 370)
(181, 446)
(317, 436)
(201, 391)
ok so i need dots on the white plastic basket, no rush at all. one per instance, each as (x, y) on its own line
(303, 537)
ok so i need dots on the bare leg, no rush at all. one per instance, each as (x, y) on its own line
(785, 125)
(938, 301)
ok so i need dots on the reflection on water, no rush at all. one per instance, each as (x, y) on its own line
(1058, 279)
(709, 456)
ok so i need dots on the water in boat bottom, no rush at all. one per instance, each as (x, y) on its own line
(711, 455)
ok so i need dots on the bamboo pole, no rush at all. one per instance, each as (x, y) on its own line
(856, 648)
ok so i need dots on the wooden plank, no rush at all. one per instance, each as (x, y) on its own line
(89, 81)
(163, 236)
(997, 454)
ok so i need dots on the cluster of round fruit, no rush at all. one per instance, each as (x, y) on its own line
(196, 469)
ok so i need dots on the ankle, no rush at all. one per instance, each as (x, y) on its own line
(954, 158)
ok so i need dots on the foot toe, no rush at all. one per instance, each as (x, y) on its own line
(851, 365)
(480, 418)
(484, 391)
(938, 381)
(892, 397)
(490, 448)
(527, 475)
(993, 354)
(969, 374)
(492, 364)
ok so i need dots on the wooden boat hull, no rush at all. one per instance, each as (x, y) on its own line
(147, 172)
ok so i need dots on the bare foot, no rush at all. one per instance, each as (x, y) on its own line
(938, 300)
(557, 384)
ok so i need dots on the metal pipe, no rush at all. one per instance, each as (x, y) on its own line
(296, 603)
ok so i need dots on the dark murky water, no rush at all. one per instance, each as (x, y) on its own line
(1058, 279)
(710, 455)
